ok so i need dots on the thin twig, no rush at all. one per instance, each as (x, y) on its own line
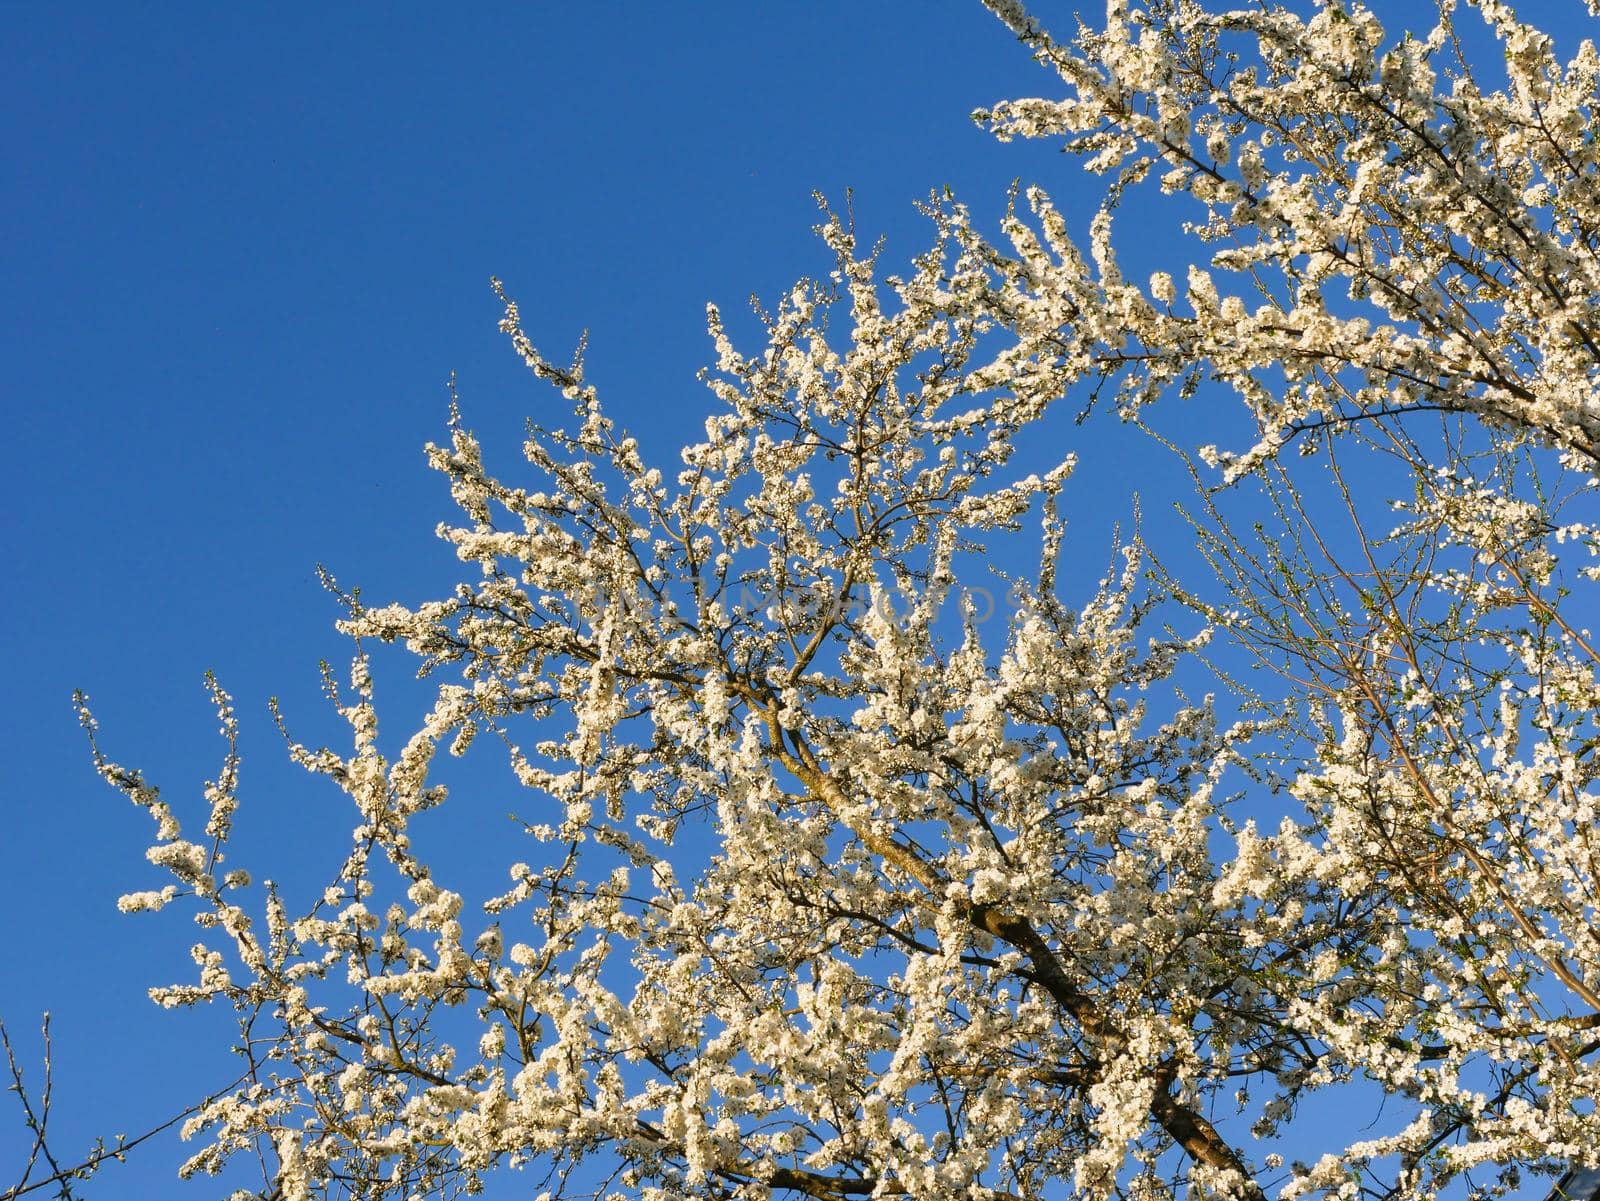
(37, 1122)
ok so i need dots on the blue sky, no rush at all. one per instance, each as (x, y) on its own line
(246, 248)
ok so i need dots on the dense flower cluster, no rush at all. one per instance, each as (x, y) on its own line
(831, 888)
(1401, 235)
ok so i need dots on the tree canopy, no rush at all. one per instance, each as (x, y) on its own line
(830, 885)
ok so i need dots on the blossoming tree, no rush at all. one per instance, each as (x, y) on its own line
(830, 887)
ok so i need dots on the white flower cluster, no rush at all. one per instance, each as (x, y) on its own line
(830, 889)
(1402, 235)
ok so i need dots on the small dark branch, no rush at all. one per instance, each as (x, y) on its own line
(61, 1177)
(37, 1122)
(814, 1184)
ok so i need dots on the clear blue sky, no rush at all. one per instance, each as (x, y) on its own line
(244, 249)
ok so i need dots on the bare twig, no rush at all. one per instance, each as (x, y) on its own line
(38, 1120)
